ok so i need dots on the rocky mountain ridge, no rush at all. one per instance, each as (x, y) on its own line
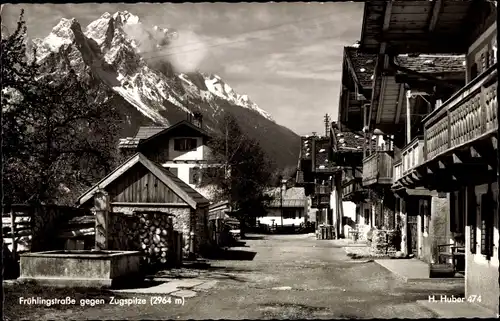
(152, 92)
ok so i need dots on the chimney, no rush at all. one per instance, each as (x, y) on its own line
(284, 185)
(197, 119)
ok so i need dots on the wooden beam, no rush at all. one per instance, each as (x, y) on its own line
(380, 99)
(436, 9)
(400, 103)
(421, 192)
(387, 15)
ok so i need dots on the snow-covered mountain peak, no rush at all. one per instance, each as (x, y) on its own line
(110, 48)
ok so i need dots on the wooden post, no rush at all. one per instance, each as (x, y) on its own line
(408, 117)
(13, 232)
(101, 205)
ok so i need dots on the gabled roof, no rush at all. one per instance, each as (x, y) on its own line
(362, 64)
(432, 64)
(145, 132)
(183, 190)
(292, 197)
(287, 203)
(158, 132)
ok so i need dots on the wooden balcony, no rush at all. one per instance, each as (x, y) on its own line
(377, 168)
(469, 115)
(460, 138)
(353, 191)
(320, 201)
(411, 158)
(398, 170)
(323, 190)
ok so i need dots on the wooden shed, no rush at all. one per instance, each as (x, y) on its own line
(140, 185)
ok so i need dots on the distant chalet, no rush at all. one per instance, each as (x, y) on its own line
(181, 148)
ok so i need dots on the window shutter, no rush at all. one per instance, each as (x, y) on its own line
(487, 224)
(472, 218)
(180, 144)
(422, 218)
(193, 143)
(453, 211)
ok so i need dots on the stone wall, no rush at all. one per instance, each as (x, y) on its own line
(202, 239)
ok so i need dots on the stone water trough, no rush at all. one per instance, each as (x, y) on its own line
(80, 268)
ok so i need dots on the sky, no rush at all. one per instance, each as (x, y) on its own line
(287, 57)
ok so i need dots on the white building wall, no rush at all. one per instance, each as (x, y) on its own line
(274, 215)
(349, 213)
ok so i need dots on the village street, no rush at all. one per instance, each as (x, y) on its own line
(289, 277)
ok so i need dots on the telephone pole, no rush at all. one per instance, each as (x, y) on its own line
(327, 124)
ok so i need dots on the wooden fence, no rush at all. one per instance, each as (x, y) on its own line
(27, 227)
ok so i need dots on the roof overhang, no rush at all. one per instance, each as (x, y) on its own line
(408, 26)
(173, 129)
(153, 168)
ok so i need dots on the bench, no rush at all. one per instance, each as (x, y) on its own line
(443, 268)
(456, 255)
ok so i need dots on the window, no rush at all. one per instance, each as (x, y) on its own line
(472, 218)
(194, 175)
(288, 213)
(488, 208)
(457, 211)
(367, 215)
(493, 52)
(185, 144)
(425, 217)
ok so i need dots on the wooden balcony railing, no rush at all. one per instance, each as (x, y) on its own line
(377, 168)
(323, 190)
(320, 201)
(465, 117)
(398, 170)
(412, 155)
(354, 186)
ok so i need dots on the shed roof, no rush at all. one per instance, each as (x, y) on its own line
(183, 190)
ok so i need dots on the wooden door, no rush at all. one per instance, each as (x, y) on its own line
(412, 236)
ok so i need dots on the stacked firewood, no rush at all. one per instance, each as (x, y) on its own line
(156, 237)
(384, 241)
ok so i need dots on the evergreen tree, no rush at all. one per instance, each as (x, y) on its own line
(245, 172)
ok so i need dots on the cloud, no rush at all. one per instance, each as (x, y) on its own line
(285, 56)
(236, 69)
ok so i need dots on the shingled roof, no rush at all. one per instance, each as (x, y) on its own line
(362, 63)
(292, 197)
(348, 141)
(148, 131)
(432, 64)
